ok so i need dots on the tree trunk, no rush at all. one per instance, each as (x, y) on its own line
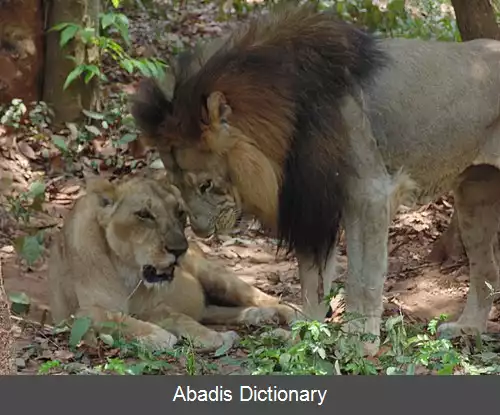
(476, 19)
(68, 104)
(7, 366)
(21, 50)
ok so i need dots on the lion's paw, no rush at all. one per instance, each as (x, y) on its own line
(159, 339)
(371, 326)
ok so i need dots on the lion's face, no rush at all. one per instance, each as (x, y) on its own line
(144, 221)
(204, 180)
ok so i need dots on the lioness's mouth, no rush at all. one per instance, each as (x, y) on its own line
(151, 275)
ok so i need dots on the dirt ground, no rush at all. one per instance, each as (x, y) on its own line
(419, 289)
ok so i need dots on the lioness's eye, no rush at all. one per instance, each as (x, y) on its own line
(206, 186)
(144, 214)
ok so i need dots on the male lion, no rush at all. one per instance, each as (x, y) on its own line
(122, 256)
(309, 123)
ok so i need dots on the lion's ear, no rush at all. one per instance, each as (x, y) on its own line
(218, 109)
(104, 190)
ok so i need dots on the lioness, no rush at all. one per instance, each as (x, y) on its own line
(122, 256)
(309, 123)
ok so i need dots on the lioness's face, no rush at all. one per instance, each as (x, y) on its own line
(144, 221)
(213, 202)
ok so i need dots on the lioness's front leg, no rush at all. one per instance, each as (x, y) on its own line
(203, 338)
(151, 335)
(226, 287)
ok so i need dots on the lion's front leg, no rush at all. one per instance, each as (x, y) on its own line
(366, 221)
(315, 284)
(202, 338)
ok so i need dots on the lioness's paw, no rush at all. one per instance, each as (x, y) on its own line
(289, 315)
(159, 339)
(279, 333)
(214, 340)
(256, 316)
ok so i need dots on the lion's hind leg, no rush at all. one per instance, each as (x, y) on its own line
(477, 201)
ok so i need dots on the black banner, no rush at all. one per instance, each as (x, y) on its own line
(249, 394)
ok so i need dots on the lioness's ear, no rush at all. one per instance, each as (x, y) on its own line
(218, 108)
(104, 190)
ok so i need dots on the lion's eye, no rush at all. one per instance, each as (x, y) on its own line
(144, 214)
(206, 186)
(181, 213)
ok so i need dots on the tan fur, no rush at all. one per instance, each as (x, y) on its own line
(96, 261)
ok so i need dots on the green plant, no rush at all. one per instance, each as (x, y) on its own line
(92, 46)
(48, 366)
(22, 207)
(424, 20)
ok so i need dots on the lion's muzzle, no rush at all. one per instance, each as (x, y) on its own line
(151, 275)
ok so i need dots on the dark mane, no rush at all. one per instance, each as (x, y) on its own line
(285, 76)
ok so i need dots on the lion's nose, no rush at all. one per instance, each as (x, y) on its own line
(178, 249)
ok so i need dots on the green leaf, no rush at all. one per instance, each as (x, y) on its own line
(80, 327)
(29, 248)
(58, 27)
(88, 35)
(19, 298)
(142, 67)
(37, 189)
(88, 77)
(93, 130)
(107, 20)
(127, 138)
(74, 74)
(127, 65)
(285, 359)
(137, 369)
(107, 339)
(60, 142)
(116, 3)
(157, 164)
(67, 34)
(122, 24)
(93, 115)
(223, 349)
(94, 71)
